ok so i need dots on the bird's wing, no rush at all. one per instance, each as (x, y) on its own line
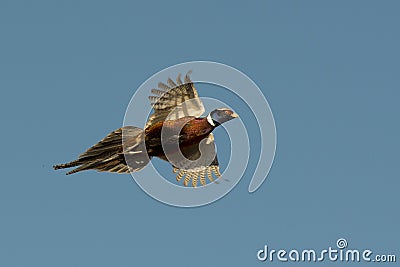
(175, 100)
(200, 165)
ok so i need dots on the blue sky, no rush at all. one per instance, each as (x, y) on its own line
(329, 71)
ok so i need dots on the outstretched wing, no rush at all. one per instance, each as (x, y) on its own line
(175, 100)
(199, 166)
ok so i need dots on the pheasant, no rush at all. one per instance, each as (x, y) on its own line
(174, 132)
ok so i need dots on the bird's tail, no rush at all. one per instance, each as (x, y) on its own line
(121, 151)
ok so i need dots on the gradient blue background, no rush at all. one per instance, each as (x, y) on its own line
(330, 71)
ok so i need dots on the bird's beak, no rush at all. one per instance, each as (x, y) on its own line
(235, 115)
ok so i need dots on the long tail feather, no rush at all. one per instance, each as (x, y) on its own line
(109, 154)
(67, 165)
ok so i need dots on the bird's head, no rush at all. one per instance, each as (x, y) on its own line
(221, 115)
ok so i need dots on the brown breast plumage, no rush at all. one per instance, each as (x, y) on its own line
(192, 131)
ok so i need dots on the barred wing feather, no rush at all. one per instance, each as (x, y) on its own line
(201, 165)
(172, 101)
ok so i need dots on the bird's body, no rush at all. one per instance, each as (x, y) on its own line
(193, 130)
(175, 128)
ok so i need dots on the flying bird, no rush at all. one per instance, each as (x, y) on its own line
(175, 132)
